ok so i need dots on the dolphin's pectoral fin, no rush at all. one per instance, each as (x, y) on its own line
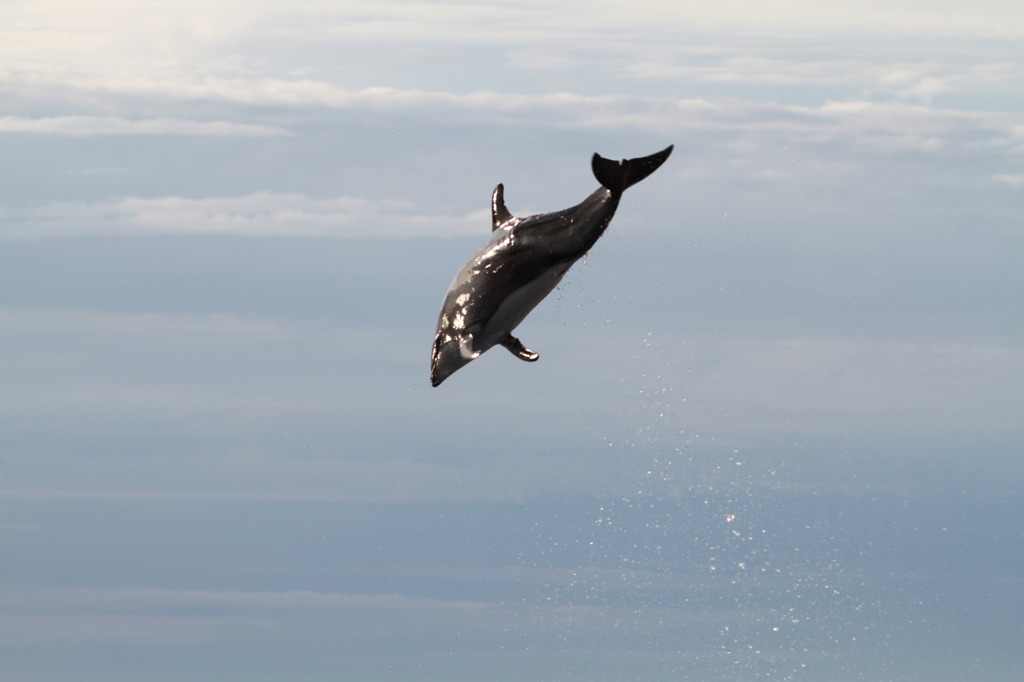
(499, 214)
(516, 347)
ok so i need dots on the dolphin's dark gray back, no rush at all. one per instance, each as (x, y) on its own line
(620, 175)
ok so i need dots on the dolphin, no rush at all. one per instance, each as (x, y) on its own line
(523, 261)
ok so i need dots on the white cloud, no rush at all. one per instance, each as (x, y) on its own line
(895, 125)
(87, 126)
(884, 125)
(127, 58)
(921, 80)
(263, 213)
(54, 29)
(1014, 181)
(199, 48)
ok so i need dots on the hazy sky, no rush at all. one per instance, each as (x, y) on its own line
(775, 431)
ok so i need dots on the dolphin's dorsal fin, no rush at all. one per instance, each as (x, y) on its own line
(499, 214)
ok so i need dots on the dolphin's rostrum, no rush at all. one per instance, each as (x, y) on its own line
(520, 265)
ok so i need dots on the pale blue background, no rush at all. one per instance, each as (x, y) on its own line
(775, 432)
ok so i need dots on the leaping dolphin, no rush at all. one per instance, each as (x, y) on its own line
(523, 261)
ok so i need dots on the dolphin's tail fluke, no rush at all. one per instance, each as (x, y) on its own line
(620, 175)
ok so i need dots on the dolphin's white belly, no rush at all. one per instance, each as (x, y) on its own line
(518, 304)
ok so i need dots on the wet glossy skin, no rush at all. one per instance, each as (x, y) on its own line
(522, 262)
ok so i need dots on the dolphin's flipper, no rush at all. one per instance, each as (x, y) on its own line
(499, 214)
(517, 348)
(619, 175)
